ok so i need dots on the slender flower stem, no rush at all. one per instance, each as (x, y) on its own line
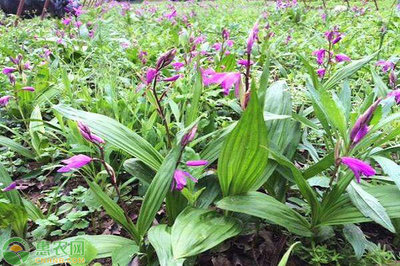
(113, 179)
(161, 111)
(248, 73)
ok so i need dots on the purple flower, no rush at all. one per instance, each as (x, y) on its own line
(321, 72)
(358, 167)
(74, 162)
(230, 43)
(10, 187)
(386, 65)
(342, 57)
(246, 63)
(172, 79)
(180, 179)
(323, 16)
(226, 80)
(225, 34)
(189, 137)
(150, 75)
(396, 95)
(4, 100)
(199, 39)
(178, 65)
(253, 36)
(28, 89)
(87, 134)
(166, 59)
(392, 79)
(197, 163)
(360, 128)
(66, 21)
(9, 70)
(217, 46)
(333, 36)
(320, 54)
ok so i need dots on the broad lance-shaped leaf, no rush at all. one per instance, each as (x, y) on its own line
(113, 210)
(285, 257)
(157, 190)
(369, 206)
(243, 157)
(14, 146)
(105, 245)
(346, 213)
(390, 168)
(115, 134)
(347, 71)
(198, 230)
(356, 238)
(266, 207)
(160, 238)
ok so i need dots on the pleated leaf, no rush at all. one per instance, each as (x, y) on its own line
(198, 230)
(115, 134)
(266, 207)
(157, 190)
(14, 146)
(243, 157)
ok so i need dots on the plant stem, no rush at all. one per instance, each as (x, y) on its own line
(248, 72)
(161, 111)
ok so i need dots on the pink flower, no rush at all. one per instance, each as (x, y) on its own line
(199, 39)
(178, 65)
(87, 134)
(396, 95)
(226, 80)
(321, 72)
(253, 36)
(150, 75)
(197, 163)
(217, 46)
(244, 62)
(4, 100)
(9, 70)
(66, 21)
(10, 187)
(74, 162)
(360, 128)
(342, 57)
(320, 54)
(229, 43)
(189, 137)
(28, 89)
(358, 167)
(392, 79)
(172, 79)
(386, 65)
(180, 179)
(78, 24)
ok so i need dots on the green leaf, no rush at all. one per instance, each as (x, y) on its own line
(12, 145)
(139, 170)
(5, 178)
(346, 71)
(266, 207)
(113, 210)
(369, 206)
(193, 110)
(4, 236)
(115, 134)
(333, 111)
(15, 216)
(160, 238)
(198, 230)
(157, 190)
(390, 168)
(356, 238)
(264, 79)
(36, 130)
(103, 244)
(320, 166)
(34, 212)
(285, 257)
(243, 159)
(381, 90)
(123, 256)
(89, 254)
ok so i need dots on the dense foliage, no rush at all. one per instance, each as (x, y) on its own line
(204, 133)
